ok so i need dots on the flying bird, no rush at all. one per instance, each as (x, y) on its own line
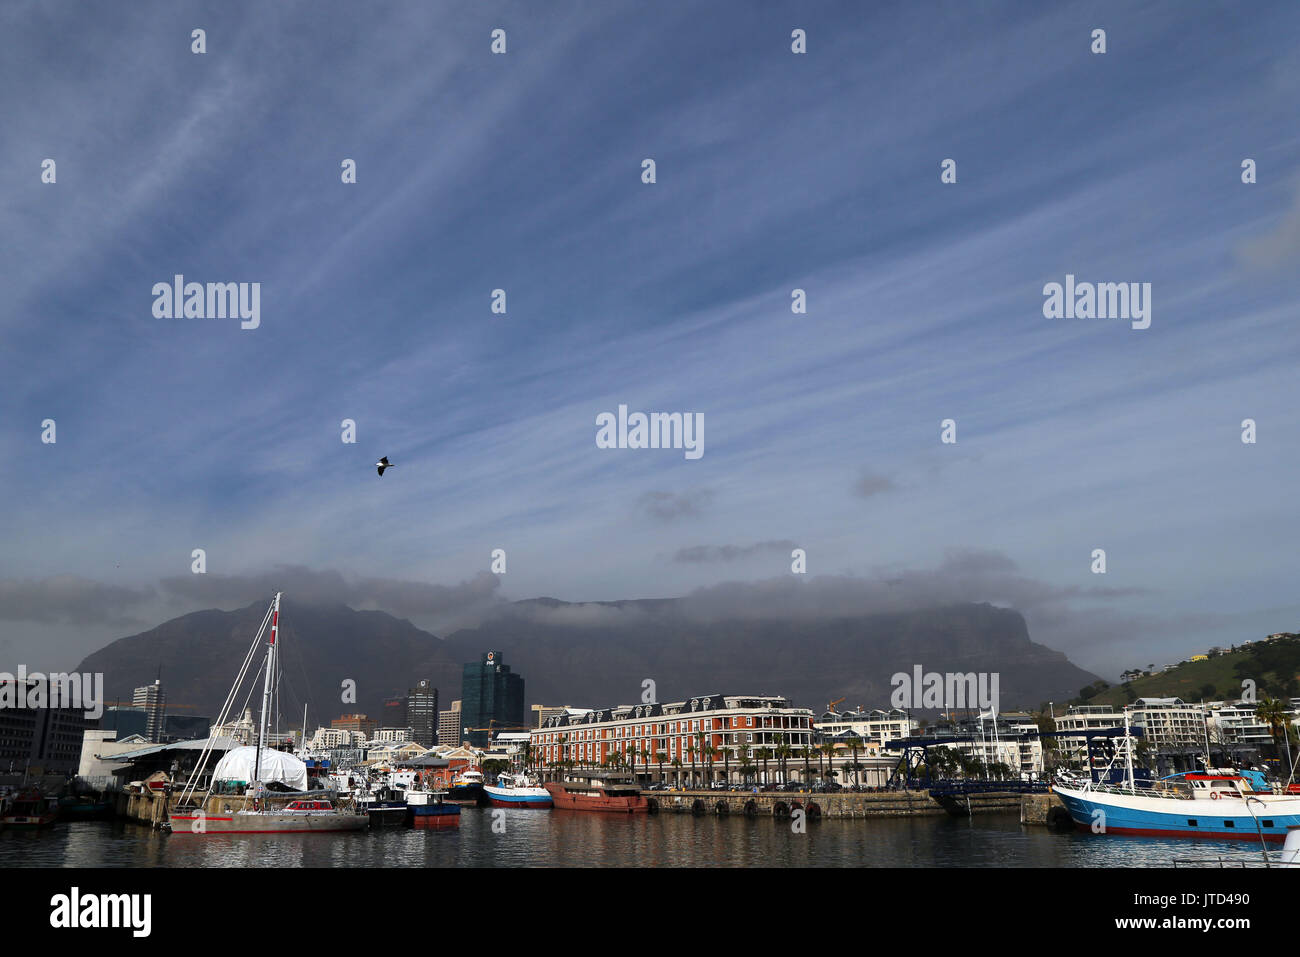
(383, 464)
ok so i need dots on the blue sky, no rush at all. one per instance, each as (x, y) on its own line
(774, 171)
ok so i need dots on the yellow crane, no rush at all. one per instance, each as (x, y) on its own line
(831, 706)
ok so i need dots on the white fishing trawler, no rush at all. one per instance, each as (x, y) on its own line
(1213, 803)
(253, 769)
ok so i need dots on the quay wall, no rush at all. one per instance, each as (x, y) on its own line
(833, 805)
(1045, 810)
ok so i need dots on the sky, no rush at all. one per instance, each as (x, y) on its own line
(774, 171)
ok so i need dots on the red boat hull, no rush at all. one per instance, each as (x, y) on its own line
(567, 800)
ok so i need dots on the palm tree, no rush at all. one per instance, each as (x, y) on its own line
(1276, 715)
(699, 737)
(829, 749)
(690, 750)
(807, 752)
(855, 743)
(677, 770)
(781, 751)
(764, 754)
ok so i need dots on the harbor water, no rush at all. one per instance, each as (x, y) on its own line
(530, 838)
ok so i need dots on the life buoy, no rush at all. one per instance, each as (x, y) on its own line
(1214, 795)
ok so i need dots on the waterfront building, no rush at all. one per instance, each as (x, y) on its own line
(389, 735)
(153, 702)
(242, 730)
(449, 726)
(1236, 727)
(177, 760)
(327, 739)
(540, 712)
(355, 722)
(697, 741)
(98, 748)
(492, 698)
(1073, 748)
(873, 727)
(39, 740)
(1170, 724)
(1009, 739)
(422, 713)
(395, 752)
(510, 746)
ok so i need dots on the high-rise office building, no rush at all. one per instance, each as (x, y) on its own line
(422, 713)
(449, 726)
(153, 702)
(492, 699)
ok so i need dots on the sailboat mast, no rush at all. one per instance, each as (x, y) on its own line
(267, 685)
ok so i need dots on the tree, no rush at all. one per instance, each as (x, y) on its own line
(783, 752)
(855, 744)
(1277, 715)
(829, 750)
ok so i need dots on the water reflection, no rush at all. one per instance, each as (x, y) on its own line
(576, 839)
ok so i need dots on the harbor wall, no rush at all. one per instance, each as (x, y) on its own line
(1044, 810)
(845, 805)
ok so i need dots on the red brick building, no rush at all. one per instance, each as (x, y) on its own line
(697, 741)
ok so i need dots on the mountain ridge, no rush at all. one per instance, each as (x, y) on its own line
(592, 654)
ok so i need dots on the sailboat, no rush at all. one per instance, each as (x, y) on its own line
(253, 768)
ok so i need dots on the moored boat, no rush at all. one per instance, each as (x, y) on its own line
(1218, 803)
(467, 788)
(30, 809)
(254, 768)
(431, 809)
(75, 807)
(597, 791)
(517, 790)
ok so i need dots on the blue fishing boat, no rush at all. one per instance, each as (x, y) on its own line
(1213, 803)
(518, 791)
(430, 809)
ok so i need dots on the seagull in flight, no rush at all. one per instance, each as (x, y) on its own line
(384, 464)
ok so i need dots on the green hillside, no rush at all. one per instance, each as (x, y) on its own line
(1273, 665)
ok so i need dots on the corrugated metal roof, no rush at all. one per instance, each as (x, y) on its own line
(198, 744)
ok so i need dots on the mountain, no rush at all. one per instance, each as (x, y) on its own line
(1272, 666)
(591, 654)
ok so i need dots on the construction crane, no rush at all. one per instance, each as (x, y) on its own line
(831, 705)
(132, 704)
(494, 726)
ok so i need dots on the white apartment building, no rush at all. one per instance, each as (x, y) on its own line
(389, 735)
(328, 738)
(874, 727)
